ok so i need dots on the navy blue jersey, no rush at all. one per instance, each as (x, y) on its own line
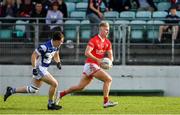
(172, 19)
(46, 53)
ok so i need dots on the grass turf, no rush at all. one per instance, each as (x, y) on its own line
(20, 104)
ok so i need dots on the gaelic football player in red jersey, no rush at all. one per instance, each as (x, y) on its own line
(96, 49)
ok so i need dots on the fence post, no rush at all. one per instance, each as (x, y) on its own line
(77, 42)
(36, 39)
(124, 45)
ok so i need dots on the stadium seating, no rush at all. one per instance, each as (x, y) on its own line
(129, 15)
(78, 14)
(102, 7)
(111, 15)
(20, 28)
(85, 32)
(158, 15)
(118, 34)
(137, 30)
(70, 7)
(163, 6)
(153, 30)
(145, 15)
(70, 29)
(5, 34)
(81, 6)
(178, 13)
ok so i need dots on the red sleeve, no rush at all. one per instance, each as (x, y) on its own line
(91, 43)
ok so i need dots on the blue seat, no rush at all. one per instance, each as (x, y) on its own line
(111, 15)
(129, 15)
(163, 6)
(78, 14)
(178, 13)
(70, 29)
(159, 15)
(85, 32)
(20, 28)
(138, 28)
(143, 15)
(81, 6)
(5, 34)
(70, 7)
(153, 30)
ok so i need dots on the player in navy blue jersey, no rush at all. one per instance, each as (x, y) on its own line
(41, 59)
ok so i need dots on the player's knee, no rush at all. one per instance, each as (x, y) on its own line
(55, 84)
(32, 89)
(109, 79)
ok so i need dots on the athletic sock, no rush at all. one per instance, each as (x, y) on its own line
(50, 102)
(106, 99)
(13, 90)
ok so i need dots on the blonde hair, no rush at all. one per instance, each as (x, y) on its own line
(104, 24)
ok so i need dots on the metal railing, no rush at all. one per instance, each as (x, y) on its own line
(17, 50)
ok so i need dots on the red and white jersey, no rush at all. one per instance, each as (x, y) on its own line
(99, 48)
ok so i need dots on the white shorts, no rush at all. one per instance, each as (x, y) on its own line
(42, 71)
(90, 68)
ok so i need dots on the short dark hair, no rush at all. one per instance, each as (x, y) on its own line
(55, 3)
(173, 7)
(58, 35)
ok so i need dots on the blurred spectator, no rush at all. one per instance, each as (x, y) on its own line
(39, 12)
(63, 8)
(24, 12)
(54, 16)
(18, 3)
(47, 4)
(171, 18)
(119, 5)
(1, 9)
(94, 14)
(145, 5)
(175, 3)
(9, 8)
(25, 8)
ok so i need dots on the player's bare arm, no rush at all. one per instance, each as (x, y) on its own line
(56, 57)
(110, 55)
(89, 54)
(34, 56)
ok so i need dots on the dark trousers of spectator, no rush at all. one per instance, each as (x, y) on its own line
(94, 20)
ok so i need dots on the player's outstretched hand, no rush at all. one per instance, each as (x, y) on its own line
(59, 65)
(35, 72)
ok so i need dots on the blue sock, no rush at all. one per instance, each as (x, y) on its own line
(13, 90)
(50, 102)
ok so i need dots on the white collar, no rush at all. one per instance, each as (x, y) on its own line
(52, 43)
(101, 38)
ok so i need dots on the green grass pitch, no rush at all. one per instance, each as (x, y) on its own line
(21, 104)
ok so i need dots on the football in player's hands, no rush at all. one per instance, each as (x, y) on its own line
(106, 63)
